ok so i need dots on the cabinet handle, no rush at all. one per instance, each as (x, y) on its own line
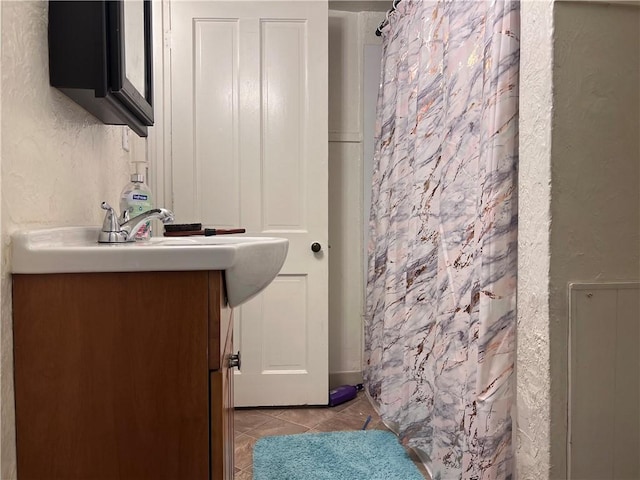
(235, 360)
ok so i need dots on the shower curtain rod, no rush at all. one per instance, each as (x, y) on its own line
(385, 22)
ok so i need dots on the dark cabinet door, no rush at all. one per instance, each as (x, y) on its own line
(100, 56)
(112, 376)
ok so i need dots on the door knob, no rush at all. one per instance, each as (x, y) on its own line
(235, 360)
(316, 247)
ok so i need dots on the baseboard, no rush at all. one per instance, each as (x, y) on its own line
(344, 378)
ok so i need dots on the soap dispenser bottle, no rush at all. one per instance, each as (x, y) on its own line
(135, 200)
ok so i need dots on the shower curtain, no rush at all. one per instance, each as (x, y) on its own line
(440, 318)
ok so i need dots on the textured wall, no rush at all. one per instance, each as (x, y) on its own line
(579, 196)
(533, 375)
(595, 208)
(58, 163)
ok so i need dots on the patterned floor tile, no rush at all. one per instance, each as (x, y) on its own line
(307, 417)
(340, 423)
(276, 426)
(245, 420)
(243, 451)
(242, 475)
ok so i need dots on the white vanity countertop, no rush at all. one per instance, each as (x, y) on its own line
(250, 263)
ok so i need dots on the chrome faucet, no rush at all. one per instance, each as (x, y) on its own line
(123, 230)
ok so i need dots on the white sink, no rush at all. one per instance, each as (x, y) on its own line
(249, 263)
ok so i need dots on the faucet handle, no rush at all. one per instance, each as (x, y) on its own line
(110, 223)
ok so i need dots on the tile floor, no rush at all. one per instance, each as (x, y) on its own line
(252, 424)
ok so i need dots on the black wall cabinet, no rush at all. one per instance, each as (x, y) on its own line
(100, 55)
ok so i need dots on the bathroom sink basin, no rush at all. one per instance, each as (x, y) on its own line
(249, 263)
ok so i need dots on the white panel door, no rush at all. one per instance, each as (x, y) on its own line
(249, 149)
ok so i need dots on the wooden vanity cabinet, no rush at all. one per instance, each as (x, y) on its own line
(221, 382)
(123, 376)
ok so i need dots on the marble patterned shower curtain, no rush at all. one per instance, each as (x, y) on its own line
(440, 323)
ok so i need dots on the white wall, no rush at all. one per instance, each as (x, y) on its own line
(534, 219)
(349, 32)
(579, 203)
(57, 164)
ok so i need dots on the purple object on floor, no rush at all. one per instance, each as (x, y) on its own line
(342, 394)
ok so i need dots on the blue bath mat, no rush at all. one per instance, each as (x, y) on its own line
(359, 455)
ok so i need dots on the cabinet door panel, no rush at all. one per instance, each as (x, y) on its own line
(111, 375)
